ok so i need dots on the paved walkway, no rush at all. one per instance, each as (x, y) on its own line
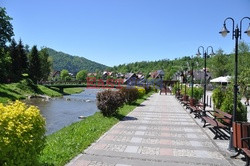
(157, 133)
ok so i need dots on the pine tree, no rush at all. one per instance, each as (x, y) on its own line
(15, 62)
(46, 63)
(6, 28)
(23, 57)
(34, 65)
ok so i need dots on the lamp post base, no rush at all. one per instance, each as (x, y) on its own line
(230, 146)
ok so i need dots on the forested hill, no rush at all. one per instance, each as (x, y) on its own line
(73, 63)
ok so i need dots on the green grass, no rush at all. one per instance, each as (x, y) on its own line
(14, 91)
(68, 142)
(72, 90)
(24, 88)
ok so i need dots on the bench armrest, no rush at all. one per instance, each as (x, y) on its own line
(247, 140)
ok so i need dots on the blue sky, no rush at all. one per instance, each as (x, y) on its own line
(114, 32)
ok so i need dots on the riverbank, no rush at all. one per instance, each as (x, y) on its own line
(25, 88)
(68, 142)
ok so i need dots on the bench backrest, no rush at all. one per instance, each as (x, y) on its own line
(240, 130)
(227, 118)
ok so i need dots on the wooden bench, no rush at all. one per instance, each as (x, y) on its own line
(241, 139)
(246, 151)
(197, 110)
(218, 119)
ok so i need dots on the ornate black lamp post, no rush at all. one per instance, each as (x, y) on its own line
(192, 78)
(236, 34)
(205, 53)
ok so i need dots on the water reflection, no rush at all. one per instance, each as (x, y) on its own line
(61, 112)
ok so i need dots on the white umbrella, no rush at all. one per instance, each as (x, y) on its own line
(221, 79)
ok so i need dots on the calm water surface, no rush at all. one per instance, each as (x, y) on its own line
(61, 112)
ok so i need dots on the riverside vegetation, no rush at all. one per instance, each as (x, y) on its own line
(26, 124)
(70, 141)
(24, 88)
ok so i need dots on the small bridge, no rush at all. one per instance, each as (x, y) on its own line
(63, 84)
(75, 84)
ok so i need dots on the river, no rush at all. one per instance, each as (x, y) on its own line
(63, 111)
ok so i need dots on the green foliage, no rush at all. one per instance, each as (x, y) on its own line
(6, 28)
(148, 89)
(197, 91)
(175, 88)
(46, 63)
(219, 64)
(218, 96)
(72, 63)
(23, 57)
(22, 132)
(5, 66)
(34, 65)
(68, 142)
(64, 74)
(81, 75)
(109, 101)
(130, 94)
(244, 82)
(15, 72)
(227, 106)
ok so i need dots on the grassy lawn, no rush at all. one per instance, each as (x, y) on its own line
(73, 90)
(68, 142)
(14, 91)
(20, 90)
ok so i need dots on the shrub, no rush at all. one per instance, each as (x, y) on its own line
(227, 106)
(22, 130)
(141, 91)
(27, 85)
(218, 96)
(109, 101)
(197, 93)
(183, 89)
(175, 88)
(130, 94)
(148, 89)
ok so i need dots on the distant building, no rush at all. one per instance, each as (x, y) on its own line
(157, 74)
(56, 75)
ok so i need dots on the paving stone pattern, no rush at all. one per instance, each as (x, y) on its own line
(157, 133)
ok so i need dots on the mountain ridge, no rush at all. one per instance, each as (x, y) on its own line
(73, 63)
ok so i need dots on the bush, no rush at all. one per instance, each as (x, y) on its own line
(148, 89)
(27, 85)
(22, 130)
(175, 88)
(227, 106)
(197, 92)
(218, 96)
(141, 91)
(109, 101)
(130, 94)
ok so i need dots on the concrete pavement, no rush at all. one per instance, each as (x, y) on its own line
(160, 132)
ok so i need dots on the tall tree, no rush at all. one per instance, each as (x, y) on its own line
(6, 29)
(5, 65)
(81, 75)
(219, 64)
(46, 63)
(64, 74)
(15, 61)
(23, 57)
(34, 65)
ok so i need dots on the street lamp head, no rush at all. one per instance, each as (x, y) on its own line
(198, 53)
(212, 53)
(224, 31)
(248, 30)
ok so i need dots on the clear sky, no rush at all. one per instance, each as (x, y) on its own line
(114, 32)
